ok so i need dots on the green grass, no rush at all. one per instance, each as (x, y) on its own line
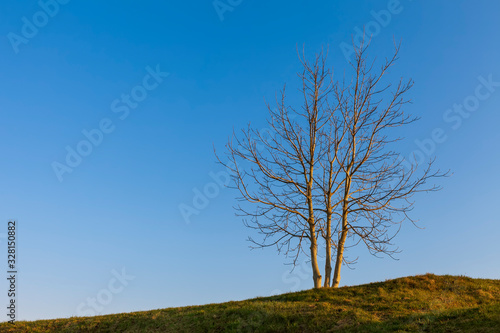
(426, 303)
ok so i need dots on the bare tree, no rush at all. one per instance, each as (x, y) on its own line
(326, 169)
(376, 188)
(276, 172)
(328, 183)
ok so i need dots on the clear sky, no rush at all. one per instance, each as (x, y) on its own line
(111, 229)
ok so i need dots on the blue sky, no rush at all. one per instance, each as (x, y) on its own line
(112, 231)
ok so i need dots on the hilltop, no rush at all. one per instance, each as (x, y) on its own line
(424, 303)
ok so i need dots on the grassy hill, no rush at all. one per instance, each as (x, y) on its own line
(426, 303)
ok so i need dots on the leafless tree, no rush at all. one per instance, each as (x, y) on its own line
(326, 170)
(328, 183)
(376, 188)
(275, 171)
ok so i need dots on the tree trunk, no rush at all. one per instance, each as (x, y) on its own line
(328, 266)
(340, 256)
(314, 259)
(328, 257)
(343, 235)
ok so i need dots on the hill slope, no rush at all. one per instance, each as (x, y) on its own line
(427, 303)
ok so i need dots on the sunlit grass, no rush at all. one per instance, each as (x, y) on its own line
(426, 303)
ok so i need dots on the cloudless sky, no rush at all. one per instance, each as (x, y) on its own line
(119, 208)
